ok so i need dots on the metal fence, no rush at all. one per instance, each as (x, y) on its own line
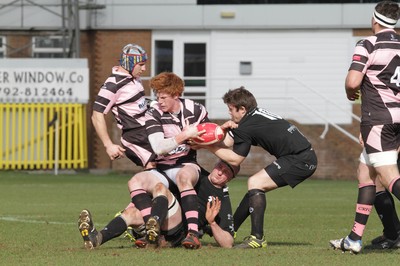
(43, 136)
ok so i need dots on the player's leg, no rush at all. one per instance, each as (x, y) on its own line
(241, 212)
(159, 211)
(386, 210)
(385, 163)
(257, 185)
(381, 143)
(365, 201)
(287, 170)
(166, 215)
(379, 157)
(117, 226)
(140, 187)
(186, 179)
(132, 233)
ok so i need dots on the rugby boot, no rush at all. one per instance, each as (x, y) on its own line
(384, 243)
(379, 239)
(191, 241)
(141, 242)
(152, 230)
(252, 242)
(346, 244)
(87, 230)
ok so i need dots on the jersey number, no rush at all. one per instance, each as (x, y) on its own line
(267, 114)
(396, 77)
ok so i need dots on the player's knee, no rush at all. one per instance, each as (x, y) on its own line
(159, 188)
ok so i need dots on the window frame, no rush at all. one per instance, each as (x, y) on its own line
(3, 46)
(49, 50)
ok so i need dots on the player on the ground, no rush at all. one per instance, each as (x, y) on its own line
(131, 217)
(215, 215)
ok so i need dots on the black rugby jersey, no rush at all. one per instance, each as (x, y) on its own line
(205, 190)
(276, 135)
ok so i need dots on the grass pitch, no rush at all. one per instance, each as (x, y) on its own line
(38, 224)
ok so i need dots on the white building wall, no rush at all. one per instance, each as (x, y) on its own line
(184, 14)
(298, 74)
(299, 53)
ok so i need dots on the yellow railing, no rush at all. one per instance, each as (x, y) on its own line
(43, 136)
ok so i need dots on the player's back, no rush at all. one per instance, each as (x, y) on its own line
(381, 86)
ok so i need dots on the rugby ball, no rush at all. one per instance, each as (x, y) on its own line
(213, 134)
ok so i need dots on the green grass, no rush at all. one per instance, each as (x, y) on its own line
(38, 214)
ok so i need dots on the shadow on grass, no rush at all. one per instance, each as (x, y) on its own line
(372, 249)
(288, 244)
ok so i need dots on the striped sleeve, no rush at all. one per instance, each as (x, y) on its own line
(361, 54)
(153, 121)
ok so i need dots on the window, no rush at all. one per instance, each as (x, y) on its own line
(48, 47)
(163, 56)
(184, 54)
(194, 71)
(2, 47)
(195, 63)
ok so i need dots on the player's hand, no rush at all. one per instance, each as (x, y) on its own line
(353, 95)
(229, 124)
(115, 152)
(195, 146)
(191, 131)
(213, 208)
(360, 140)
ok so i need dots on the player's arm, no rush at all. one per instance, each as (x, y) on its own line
(161, 145)
(222, 237)
(114, 151)
(352, 84)
(226, 154)
(227, 141)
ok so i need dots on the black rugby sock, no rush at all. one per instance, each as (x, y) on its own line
(142, 201)
(386, 210)
(113, 229)
(257, 204)
(159, 209)
(395, 187)
(190, 204)
(241, 212)
(365, 201)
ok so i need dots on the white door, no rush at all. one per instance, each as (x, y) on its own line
(186, 54)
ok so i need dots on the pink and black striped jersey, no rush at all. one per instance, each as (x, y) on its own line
(378, 57)
(171, 125)
(125, 97)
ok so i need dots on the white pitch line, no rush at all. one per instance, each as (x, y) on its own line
(22, 220)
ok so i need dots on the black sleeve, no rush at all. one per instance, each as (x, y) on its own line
(241, 147)
(225, 217)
